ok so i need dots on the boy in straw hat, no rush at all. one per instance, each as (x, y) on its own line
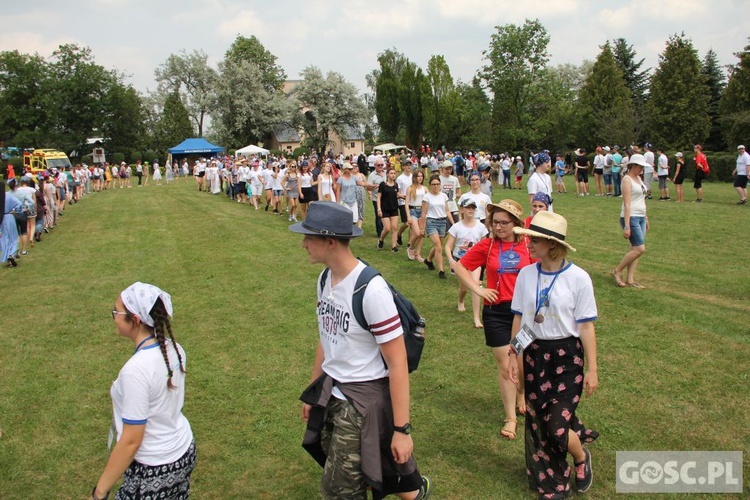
(370, 398)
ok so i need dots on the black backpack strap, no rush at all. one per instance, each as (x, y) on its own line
(323, 279)
(364, 278)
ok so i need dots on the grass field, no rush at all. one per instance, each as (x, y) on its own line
(674, 359)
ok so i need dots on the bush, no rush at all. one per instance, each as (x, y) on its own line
(117, 158)
(300, 151)
(87, 159)
(135, 156)
(721, 165)
(150, 155)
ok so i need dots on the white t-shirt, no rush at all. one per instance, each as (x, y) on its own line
(351, 353)
(481, 199)
(140, 396)
(267, 175)
(375, 178)
(743, 161)
(598, 161)
(466, 237)
(435, 205)
(452, 189)
(540, 183)
(649, 157)
(244, 173)
(571, 300)
(403, 181)
(663, 165)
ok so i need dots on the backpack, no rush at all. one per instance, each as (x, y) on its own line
(412, 323)
(460, 162)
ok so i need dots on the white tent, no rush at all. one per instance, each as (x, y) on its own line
(389, 146)
(251, 150)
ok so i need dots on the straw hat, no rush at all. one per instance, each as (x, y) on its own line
(511, 206)
(547, 225)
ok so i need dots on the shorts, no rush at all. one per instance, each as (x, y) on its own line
(278, 192)
(436, 226)
(662, 182)
(599, 171)
(159, 481)
(203, 174)
(389, 213)
(740, 181)
(699, 176)
(582, 175)
(637, 230)
(307, 192)
(607, 179)
(243, 186)
(62, 194)
(256, 190)
(415, 212)
(519, 177)
(402, 213)
(498, 320)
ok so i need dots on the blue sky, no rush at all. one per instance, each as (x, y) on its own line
(135, 36)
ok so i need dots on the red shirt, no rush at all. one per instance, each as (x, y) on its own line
(701, 163)
(501, 277)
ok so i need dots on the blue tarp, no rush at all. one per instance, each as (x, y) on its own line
(195, 146)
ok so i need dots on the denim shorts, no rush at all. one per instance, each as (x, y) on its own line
(435, 226)
(607, 179)
(415, 212)
(637, 230)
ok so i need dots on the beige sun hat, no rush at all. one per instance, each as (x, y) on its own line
(511, 206)
(547, 225)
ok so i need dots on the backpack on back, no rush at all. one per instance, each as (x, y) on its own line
(412, 323)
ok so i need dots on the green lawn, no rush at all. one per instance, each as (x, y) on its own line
(674, 359)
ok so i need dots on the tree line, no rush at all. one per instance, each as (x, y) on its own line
(515, 101)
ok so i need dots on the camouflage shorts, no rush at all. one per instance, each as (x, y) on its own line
(340, 437)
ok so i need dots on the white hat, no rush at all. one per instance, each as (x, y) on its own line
(740, 147)
(678, 154)
(638, 159)
(547, 225)
(606, 148)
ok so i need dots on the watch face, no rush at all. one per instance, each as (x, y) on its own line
(406, 429)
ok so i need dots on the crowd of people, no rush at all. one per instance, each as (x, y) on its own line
(35, 202)
(536, 307)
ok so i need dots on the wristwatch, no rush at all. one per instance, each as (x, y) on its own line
(406, 429)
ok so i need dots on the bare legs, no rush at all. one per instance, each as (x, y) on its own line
(630, 261)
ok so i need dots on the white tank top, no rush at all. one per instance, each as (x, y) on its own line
(418, 196)
(637, 199)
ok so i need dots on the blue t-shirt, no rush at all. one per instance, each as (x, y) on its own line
(616, 162)
(560, 167)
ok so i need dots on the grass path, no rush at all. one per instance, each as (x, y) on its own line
(674, 358)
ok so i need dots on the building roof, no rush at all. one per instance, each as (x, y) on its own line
(285, 133)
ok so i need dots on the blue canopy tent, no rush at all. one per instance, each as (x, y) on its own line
(194, 147)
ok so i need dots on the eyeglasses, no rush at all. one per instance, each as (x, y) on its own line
(501, 223)
(116, 313)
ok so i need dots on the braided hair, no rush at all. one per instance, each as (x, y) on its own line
(162, 326)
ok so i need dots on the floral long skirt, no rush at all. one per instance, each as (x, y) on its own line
(553, 372)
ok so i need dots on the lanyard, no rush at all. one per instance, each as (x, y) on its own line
(143, 342)
(545, 303)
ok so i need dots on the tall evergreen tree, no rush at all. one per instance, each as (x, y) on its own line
(413, 85)
(635, 79)
(438, 116)
(386, 104)
(734, 107)
(717, 82)
(174, 124)
(605, 114)
(677, 108)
